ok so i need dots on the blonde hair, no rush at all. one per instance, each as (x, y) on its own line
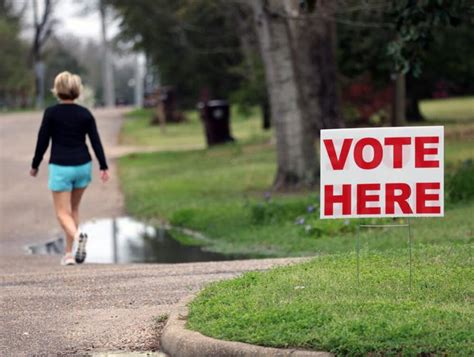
(67, 86)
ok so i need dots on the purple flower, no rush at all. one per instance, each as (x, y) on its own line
(310, 209)
(267, 196)
(300, 221)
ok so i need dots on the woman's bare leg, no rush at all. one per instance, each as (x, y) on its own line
(76, 196)
(62, 205)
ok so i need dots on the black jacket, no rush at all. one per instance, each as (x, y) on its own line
(67, 125)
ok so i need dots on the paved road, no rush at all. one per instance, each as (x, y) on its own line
(46, 309)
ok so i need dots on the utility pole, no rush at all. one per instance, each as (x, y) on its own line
(107, 67)
(139, 80)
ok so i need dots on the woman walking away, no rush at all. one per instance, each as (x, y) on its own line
(70, 166)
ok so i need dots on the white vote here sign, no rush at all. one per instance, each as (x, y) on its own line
(382, 172)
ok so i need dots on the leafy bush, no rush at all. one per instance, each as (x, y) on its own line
(366, 103)
(305, 213)
(271, 212)
(316, 227)
(460, 186)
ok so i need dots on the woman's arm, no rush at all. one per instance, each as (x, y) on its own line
(42, 143)
(96, 144)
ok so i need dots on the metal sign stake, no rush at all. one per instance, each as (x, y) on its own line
(386, 226)
(358, 255)
(409, 251)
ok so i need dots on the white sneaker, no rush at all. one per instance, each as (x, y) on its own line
(81, 248)
(68, 259)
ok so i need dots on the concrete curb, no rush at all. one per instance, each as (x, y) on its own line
(177, 341)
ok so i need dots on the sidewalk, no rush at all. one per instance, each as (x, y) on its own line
(51, 309)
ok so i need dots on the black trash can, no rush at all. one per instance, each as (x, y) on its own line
(215, 115)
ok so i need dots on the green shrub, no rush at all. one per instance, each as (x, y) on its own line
(460, 186)
(271, 212)
(316, 227)
(305, 214)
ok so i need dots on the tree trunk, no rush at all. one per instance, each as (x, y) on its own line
(329, 96)
(42, 31)
(298, 51)
(398, 115)
(250, 48)
(266, 115)
(296, 154)
(314, 43)
(413, 112)
(38, 68)
(416, 90)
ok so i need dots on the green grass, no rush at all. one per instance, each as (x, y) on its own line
(457, 116)
(185, 136)
(319, 305)
(450, 109)
(457, 151)
(219, 192)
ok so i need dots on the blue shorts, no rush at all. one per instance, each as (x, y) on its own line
(67, 178)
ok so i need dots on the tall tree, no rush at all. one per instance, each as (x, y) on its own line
(43, 27)
(252, 90)
(190, 42)
(300, 67)
(196, 44)
(417, 23)
(415, 41)
(58, 57)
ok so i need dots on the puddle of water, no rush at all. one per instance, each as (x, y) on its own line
(125, 240)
